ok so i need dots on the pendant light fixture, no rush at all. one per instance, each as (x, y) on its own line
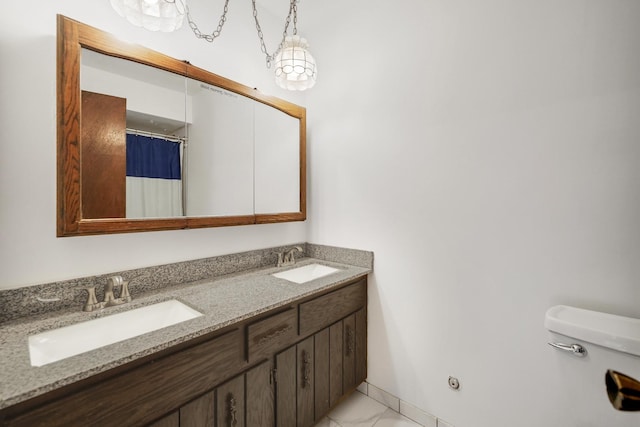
(294, 66)
(153, 15)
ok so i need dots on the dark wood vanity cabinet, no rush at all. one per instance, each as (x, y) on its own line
(245, 400)
(313, 375)
(287, 368)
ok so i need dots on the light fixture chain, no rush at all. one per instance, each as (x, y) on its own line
(293, 10)
(294, 4)
(199, 34)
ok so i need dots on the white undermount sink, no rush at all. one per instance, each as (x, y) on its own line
(58, 344)
(305, 273)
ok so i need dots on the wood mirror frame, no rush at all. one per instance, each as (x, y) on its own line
(71, 38)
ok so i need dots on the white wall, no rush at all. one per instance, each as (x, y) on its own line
(30, 252)
(488, 153)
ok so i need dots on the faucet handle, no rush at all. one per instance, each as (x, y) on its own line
(124, 292)
(110, 299)
(92, 301)
(290, 257)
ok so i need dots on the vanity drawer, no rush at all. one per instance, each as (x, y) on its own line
(145, 393)
(329, 308)
(266, 336)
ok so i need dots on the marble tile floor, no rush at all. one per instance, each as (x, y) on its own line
(359, 410)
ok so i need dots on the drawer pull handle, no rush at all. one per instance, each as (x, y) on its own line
(306, 369)
(575, 349)
(278, 332)
(232, 411)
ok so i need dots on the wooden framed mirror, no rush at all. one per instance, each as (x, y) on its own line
(238, 157)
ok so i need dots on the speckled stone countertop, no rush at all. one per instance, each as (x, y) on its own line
(222, 300)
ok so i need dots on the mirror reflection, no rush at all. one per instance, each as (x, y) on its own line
(220, 152)
(133, 130)
(277, 154)
(157, 144)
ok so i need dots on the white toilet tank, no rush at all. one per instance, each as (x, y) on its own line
(585, 344)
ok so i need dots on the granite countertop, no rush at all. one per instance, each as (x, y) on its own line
(222, 300)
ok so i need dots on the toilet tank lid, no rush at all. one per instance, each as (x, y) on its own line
(618, 333)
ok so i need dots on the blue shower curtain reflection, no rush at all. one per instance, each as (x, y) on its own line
(154, 177)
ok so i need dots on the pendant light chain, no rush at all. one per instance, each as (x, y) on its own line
(194, 27)
(293, 10)
(294, 66)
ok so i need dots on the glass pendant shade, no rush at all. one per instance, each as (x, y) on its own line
(153, 15)
(295, 68)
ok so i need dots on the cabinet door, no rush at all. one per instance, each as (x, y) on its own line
(355, 349)
(335, 362)
(230, 403)
(361, 346)
(321, 372)
(260, 399)
(286, 388)
(305, 358)
(349, 353)
(199, 413)
(294, 385)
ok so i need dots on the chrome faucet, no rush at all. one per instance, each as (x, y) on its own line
(109, 298)
(287, 257)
